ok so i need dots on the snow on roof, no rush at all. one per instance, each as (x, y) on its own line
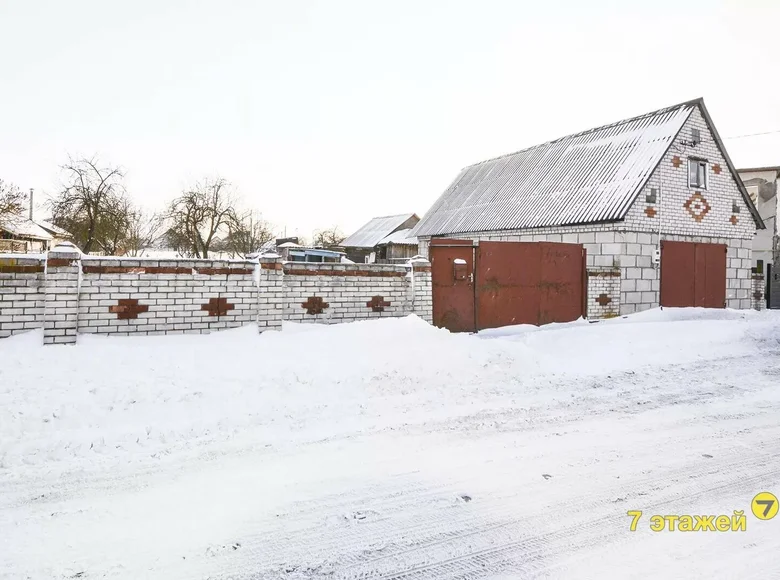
(24, 228)
(52, 229)
(376, 230)
(401, 237)
(587, 177)
(289, 245)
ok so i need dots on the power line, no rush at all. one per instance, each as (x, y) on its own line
(753, 134)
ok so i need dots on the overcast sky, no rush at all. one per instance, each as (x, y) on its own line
(329, 113)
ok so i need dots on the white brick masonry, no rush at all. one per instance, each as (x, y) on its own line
(143, 297)
(132, 296)
(61, 306)
(328, 293)
(21, 295)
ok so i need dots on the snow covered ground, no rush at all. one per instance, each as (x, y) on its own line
(391, 449)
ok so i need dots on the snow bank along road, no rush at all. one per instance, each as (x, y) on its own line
(391, 449)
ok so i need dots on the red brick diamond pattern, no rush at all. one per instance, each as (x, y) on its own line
(217, 306)
(377, 304)
(650, 212)
(128, 308)
(603, 299)
(314, 305)
(697, 206)
(676, 161)
(734, 220)
(716, 169)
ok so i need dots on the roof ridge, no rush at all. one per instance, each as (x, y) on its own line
(696, 101)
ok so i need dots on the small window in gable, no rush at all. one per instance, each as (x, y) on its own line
(697, 173)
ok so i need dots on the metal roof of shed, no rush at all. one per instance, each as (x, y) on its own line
(400, 237)
(375, 230)
(588, 177)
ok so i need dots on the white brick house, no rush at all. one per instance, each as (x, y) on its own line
(618, 190)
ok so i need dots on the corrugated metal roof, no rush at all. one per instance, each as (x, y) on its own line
(400, 237)
(588, 177)
(375, 230)
(24, 228)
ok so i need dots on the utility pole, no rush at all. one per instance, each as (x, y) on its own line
(31, 203)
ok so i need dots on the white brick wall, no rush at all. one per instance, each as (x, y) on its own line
(348, 288)
(21, 295)
(61, 305)
(144, 297)
(721, 193)
(174, 302)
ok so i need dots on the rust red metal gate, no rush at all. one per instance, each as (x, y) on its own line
(452, 278)
(693, 274)
(501, 283)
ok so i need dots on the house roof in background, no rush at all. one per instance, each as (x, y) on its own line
(24, 228)
(588, 177)
(775, 168)
(376, 230)
(52, 229)
(399, 237)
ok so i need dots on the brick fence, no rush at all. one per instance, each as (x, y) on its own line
(69, 294)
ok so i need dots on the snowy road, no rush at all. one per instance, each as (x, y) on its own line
(390, 449)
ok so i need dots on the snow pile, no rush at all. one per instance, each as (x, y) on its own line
(191, 442)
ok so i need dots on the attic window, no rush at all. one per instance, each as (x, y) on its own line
(697, 173)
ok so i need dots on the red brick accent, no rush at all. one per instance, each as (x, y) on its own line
(57, 262)
(314, 305)
(605, 274)
(603, 299)
(697, 206)
(368, 273)
(734, 220)
(422, 268)
(224, 271)
(163, 270)
(128, 308)
(758, 295)
(377, 304)
(271, 265)
(650, 212)
(217, 307)
(676, 161)
(21, 269)
(716, 169)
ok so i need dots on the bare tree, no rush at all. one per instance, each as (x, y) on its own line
(143, 228)
(247, 233)
(11, 200)
(92, 204)
(328, 238)
(198, 214)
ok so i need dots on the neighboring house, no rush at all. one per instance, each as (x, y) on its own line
(370, 243)
(58, 234)
(762, 186)
(18, 234)
(623, 193)
(397, 247)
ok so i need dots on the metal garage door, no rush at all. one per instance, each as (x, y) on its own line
(529, 283)
(693, 274)
(502, 283)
